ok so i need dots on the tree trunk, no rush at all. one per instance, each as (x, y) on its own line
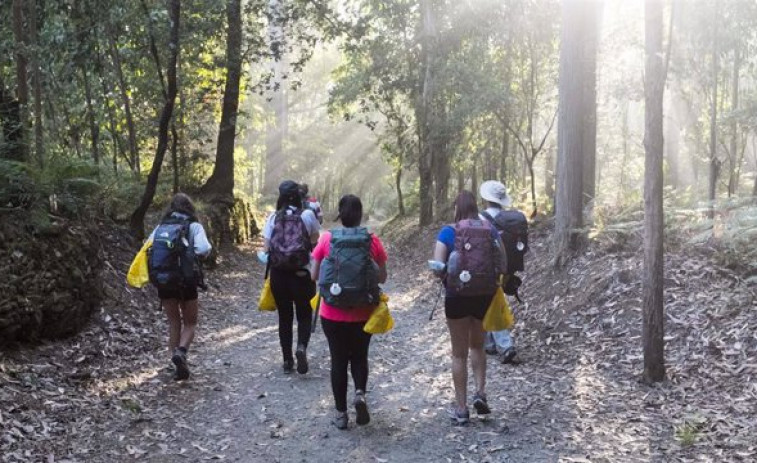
(398, 185)
(591, 32)
(474, 176)
(220, 185)
(39, 141)
(219, 189)
(733, 155)
(714, 161)
(424, 115)
(549, 178)
(570, 156)
(138, 217)
(20, 149)
(530, 164)
(652, 280)
(124, 89)
(504, 154)
(94, 128)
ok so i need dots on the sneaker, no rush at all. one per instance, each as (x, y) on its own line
(458, 418)
(288, 366)
(341, 420)
(508, 355)
(480, 404)
(302, 360)
(180, 360)
(361, 408)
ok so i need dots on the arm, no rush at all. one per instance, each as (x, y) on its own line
(202, 246)
(440, 252)
(382, 273)
(316, 270)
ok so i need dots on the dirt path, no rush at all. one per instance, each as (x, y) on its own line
(106, 396)
(240, 406)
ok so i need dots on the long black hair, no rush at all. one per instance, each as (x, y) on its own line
(289, 195)
(350, 211)
(181, 203)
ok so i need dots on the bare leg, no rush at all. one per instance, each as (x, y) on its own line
(459, 333)
(476, 338)
(189, 319)
(171, 308)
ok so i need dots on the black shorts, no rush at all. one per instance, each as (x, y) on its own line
(182, 294)
(457, 307)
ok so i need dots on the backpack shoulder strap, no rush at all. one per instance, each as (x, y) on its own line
(487, 216)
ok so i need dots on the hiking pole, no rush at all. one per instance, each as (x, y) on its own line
(436, 304)
(315, 314)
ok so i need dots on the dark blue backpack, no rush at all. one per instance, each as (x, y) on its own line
(171, 262)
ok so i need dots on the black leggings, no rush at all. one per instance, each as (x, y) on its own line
(348, 344)
(291, 290)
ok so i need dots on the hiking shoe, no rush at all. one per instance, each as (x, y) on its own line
(341, 420)
(480, 404)
(288, 366)
(180, 360)
(508, 355)
(458, 418)
(302, 360)
(361, 408)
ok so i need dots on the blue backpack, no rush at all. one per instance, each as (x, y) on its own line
(171, 262)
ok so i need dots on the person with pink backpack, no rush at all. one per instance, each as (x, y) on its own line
(471, 259)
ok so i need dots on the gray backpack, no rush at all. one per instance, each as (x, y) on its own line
(349, 275)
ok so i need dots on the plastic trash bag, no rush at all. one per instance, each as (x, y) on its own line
(499, 316)
(139, 275)
(267, 303)
(381, 320)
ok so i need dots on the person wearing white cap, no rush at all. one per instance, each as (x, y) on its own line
(495, 195)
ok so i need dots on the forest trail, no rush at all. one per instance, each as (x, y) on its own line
(105, 395)
(240, 406)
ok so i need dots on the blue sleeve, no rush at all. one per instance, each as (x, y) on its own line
(447, 237)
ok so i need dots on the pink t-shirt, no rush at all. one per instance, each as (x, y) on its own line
(356, 314)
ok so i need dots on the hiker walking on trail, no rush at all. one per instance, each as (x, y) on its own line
(349, 263)
(474, 261)
(175, 271)
(290, 234)
(513, 231)
(311, 202)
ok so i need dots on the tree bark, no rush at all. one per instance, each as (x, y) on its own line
(733, 154)
(424, 117)
(20, 149)
(570, 156)
(220, 185)
(138, 217)
(94, 128)
(124, 89)
(398, 186)
(652, 280)
(714, 161)
(39, 140)
(591, 32)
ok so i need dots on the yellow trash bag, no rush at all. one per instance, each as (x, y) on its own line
(267, 303)
(381, 320)
(499, 316)
(138, 275)
(315, 300)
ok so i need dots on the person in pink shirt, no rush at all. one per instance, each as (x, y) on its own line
(348, 343)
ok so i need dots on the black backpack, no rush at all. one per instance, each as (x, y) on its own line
(171, 262)
(349, 275)
(513, 230)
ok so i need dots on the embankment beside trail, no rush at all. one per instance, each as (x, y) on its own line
(49, 278)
